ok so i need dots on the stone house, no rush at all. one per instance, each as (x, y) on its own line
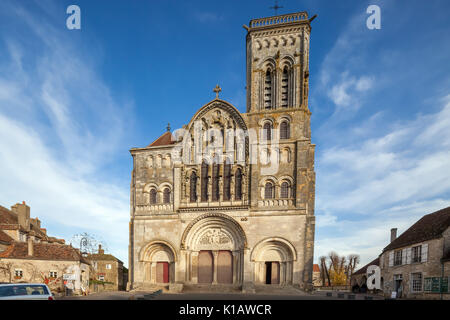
(107, 272)
(417, 263)
(27, 254)
(228, 199)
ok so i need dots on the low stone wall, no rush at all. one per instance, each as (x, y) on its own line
(333, 288)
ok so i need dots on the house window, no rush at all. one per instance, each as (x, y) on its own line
(226, 181)
(152, 196)
(18, 273)
(268, 191)
(238, 185)
(398, 258)
(267, 131)
(284, 130)
(215, 182)
(204, 185)
(53, 274)
(166, 195)
(416, 282)
(108, 266)
(416, 253)
(285, 190)
(193, 187)
(268, 90)
(284, 88)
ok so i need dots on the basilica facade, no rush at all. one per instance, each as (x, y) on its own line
(228, 200)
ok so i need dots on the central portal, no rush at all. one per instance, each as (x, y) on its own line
(207, 271)
(214, 247)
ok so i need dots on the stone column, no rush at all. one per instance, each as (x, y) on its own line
(194, 266)
(153, 272)
(235, 266)
(216, 255)
(176, 188)
(282, 273)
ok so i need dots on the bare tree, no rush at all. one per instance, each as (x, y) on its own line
(353, 261)
(7, 269)
(324, 271)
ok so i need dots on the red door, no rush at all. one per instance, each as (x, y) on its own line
(162, 272)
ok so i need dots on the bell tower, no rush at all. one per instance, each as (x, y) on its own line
(282, 175)
(278, 62)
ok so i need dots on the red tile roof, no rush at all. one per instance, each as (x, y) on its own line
(42, 251)
(316, 268)
(164, 140)
(430, 226)
(4, 238)
(10, 221)
(7, 216)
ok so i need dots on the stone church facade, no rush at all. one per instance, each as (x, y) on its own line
(229, 198)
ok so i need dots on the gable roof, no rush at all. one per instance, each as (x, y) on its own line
(9, 220)
(4, 238)
(316, 268)
(164, 140)
(363, 270)
(430, 226)
(43, 251)
(102, 257)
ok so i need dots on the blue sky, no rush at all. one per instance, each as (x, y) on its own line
(73, 102)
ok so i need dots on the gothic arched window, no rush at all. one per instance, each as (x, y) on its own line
(285, 88)
(204, 181)
(193, 187)
(238, 185)
(267, 131)
(152, 196)
(226, 181)
(285, 190)
(284, 130)
(166, 195)
(215, 181)
(268, 190)
(268, 91)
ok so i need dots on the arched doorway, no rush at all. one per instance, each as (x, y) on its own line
(159, 262)
(273, 261)
(213, 246)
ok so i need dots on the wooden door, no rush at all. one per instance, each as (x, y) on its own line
(205, 267)
(162, 272)
(225, 267)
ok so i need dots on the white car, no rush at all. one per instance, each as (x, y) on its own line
(25, 291)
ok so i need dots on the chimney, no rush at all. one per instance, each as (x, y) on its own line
(393, 234)
(23, 214)
(30, 247)
(100, 250)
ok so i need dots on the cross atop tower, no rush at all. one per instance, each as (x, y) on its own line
(276, 7)
(217, 89)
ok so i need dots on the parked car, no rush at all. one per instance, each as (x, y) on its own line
(25, 291)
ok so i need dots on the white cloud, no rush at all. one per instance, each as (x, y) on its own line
(60, 126)
(348, 91)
